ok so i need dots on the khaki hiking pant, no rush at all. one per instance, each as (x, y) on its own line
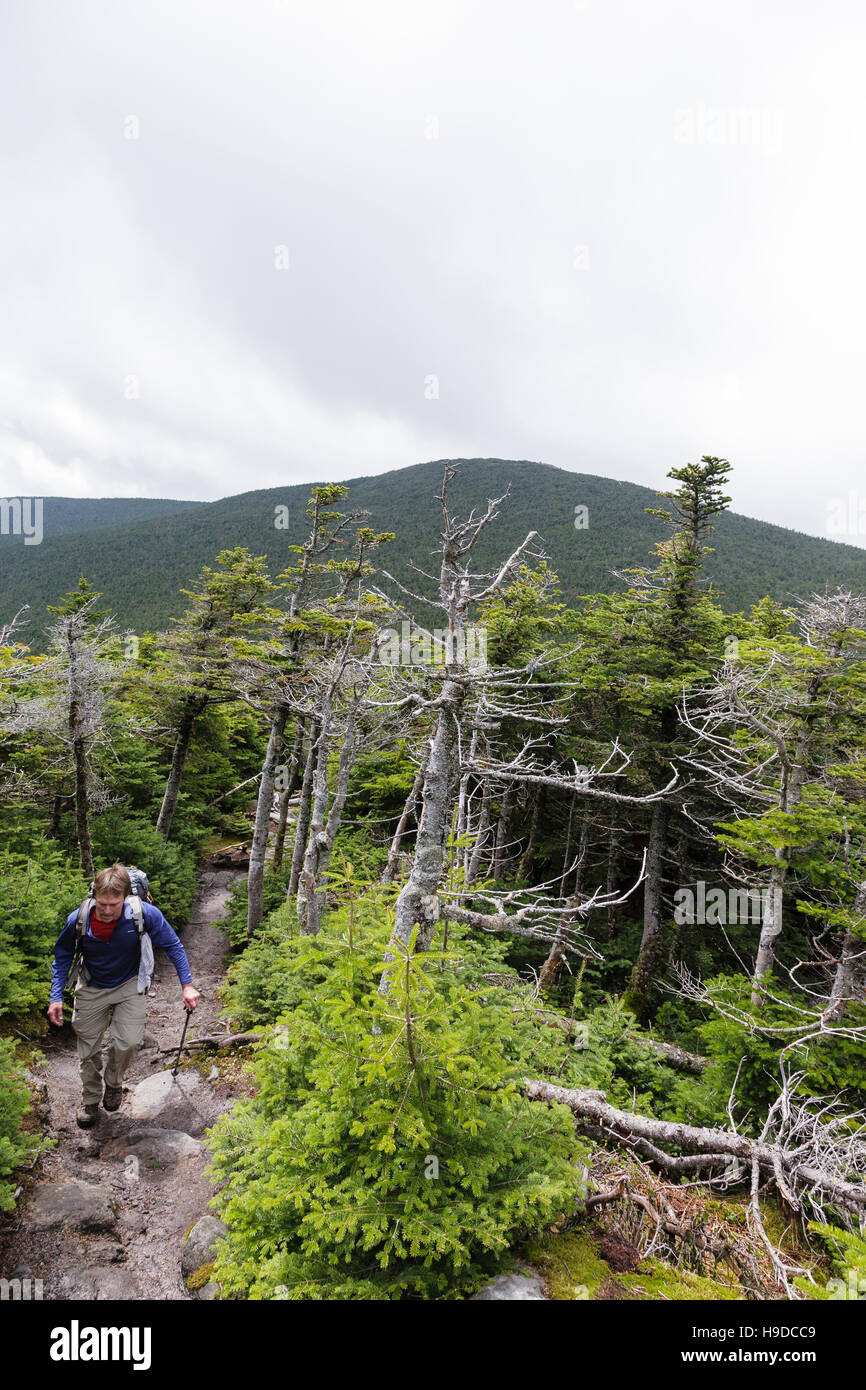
(90, 1017)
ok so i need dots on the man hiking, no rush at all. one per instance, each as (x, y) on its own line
(116, 969)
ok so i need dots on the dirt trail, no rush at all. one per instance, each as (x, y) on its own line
(148, 1202)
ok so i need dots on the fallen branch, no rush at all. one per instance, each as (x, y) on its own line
(230, 1040)
(644, 1132)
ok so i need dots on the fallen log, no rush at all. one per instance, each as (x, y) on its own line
(646, 1134)
(676, 1057)
(224, 1040)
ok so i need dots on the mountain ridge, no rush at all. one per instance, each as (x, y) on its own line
(166, 548)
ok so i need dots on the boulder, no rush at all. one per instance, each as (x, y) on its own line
(161, 1148)
(83, 1206)
(198, 1255)
(200, 1245)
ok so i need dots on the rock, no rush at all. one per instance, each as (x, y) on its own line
(511, 1287)
(160, 1148)
(200, 1246)
(213, 1074)
(176, 1102)
(102, 1282)
(210, 1290)
(84, 1206)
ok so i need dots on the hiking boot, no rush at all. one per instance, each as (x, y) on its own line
(112, 1097)
(87, 1116)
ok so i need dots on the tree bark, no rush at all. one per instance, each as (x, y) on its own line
(842, 992)
(556, 954)
(280, 839)
(474, 860)
(503, 830)
(303, 820)
(417, 901)
(189, 713)
(262, 823)
(322, 832)
(394, 852)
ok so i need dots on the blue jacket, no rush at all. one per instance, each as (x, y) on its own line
(111, 963)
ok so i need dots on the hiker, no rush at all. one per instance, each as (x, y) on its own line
(116, 970)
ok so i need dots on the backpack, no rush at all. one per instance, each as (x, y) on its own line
(140, 892)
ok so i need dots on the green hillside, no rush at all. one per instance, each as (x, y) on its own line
(141, 562)
(65, 516)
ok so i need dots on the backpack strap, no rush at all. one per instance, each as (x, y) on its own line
(137, 912)
(83, 918)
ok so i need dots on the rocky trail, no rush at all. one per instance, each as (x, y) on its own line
(105, 1212)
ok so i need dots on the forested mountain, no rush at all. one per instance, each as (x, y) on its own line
(69, 516)
(140, 563)
(548, 951)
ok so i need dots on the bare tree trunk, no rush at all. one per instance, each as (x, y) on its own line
(503, 830)
(566, 856)
(528, 855)
(191, 709)
(842, 992)
(653, 903)
(56, 808)
(650, 959)
(82, 816)
(303, 820)
(294, 761)
(417, 901)
(614, 855)
(320, 842)
(394, 852)
(790, 794)
(262, 823)
(478, 848)
(556, 954)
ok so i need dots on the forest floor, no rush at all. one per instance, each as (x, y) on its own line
(121, 1234)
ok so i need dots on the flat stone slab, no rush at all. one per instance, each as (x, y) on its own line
(102, 1282)
(84, 1206)
(182, 1102)
(160, 1147)
(510, 1288)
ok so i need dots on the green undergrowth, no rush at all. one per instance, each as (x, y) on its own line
(573, 1268)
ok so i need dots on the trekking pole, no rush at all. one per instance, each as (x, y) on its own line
(182, 1036)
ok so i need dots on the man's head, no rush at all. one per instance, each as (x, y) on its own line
(110, 887)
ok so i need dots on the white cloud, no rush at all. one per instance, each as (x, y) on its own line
(714, 303)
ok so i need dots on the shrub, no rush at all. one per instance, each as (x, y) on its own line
(389, 1151)
(15, 1146)
(37, 893)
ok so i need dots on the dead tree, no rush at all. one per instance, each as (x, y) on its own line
(481, 697)
(758, 730)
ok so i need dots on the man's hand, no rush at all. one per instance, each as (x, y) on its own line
(55, 1013)
(191, 997)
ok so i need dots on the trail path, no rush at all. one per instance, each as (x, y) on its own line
(121, 1236)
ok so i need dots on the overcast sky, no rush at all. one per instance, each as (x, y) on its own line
(247, 242)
